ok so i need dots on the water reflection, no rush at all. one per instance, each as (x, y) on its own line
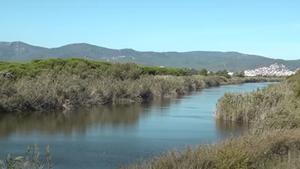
(79, 120)
(227, 127)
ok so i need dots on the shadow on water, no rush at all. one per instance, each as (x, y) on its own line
(79, 121)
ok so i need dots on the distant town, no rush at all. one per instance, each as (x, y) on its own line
(272, 70)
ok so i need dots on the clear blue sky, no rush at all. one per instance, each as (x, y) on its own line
(266, 27)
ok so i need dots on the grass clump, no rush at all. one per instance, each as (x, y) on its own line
(263, 151)
(31, 160)
(276, 107)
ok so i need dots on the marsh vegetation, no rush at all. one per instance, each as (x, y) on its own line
(57, 84)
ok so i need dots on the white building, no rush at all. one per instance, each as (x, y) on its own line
(230, 73)
(272, 70)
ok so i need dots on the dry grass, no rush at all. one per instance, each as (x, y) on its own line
(32, 159)
(50, 91)
(276, 107)
(266, 150)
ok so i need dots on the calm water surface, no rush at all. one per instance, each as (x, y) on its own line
(112, 136)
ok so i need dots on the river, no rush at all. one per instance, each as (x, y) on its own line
(112, 136)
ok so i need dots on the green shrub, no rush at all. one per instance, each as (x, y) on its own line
(154, 70)
(223, 73)
(203, 72)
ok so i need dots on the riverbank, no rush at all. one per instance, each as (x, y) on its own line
(269, 150)
(60, 84)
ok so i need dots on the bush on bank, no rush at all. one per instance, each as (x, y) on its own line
(276, 107)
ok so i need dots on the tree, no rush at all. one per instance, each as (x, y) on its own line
(203, 72)
(239, 74)
(223, 73)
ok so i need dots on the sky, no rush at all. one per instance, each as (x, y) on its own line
(266, 27)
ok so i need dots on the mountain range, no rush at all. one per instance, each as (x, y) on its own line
(233, 61)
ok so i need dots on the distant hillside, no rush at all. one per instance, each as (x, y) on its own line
(232, 61)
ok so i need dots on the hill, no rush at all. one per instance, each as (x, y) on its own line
(233, 61)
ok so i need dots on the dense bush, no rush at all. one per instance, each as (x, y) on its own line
(239, 74)
(154, 70)
(87, 68)
(223, 73)
(203, 72)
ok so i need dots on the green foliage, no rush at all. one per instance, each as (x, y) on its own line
(203, 72)
(239, 74)
(125, 71)
(154, 70)
(35, 67)
(87, 68)
(223, 73)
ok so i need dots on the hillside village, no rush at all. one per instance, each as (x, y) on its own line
(272, 70)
